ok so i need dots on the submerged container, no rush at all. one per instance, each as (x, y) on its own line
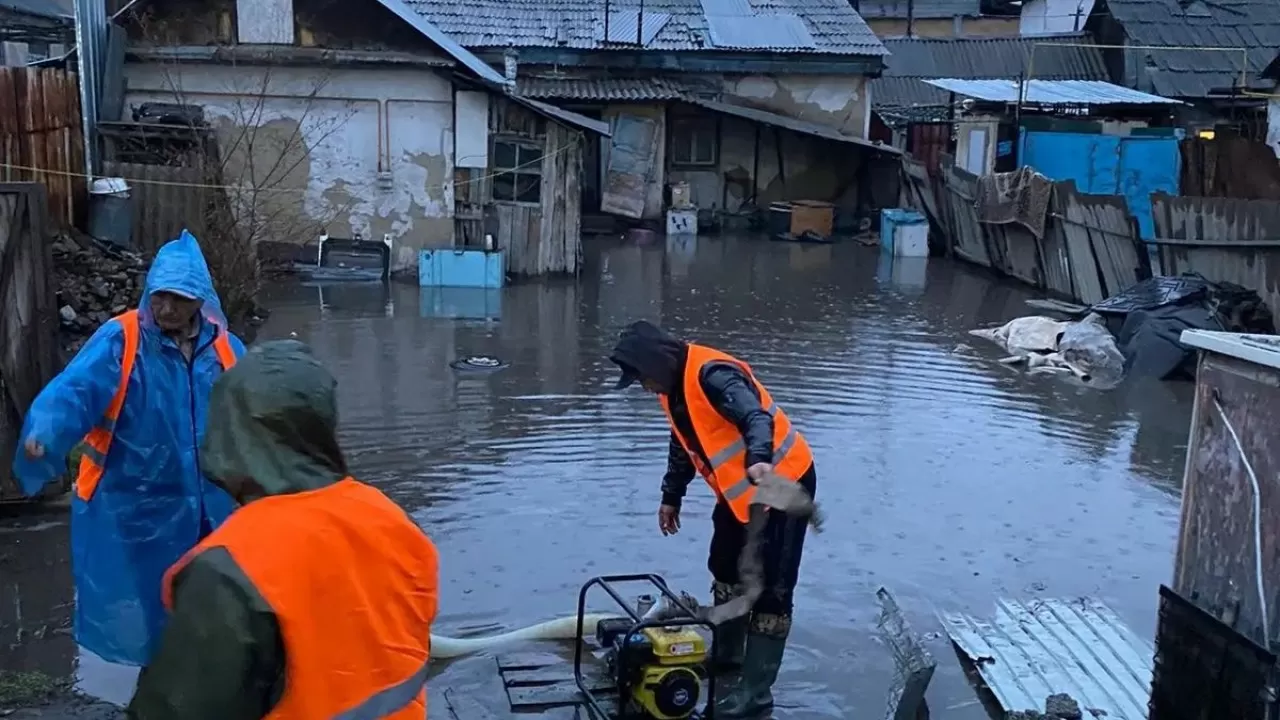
(111, 211)
(904, 233)
(456, 267)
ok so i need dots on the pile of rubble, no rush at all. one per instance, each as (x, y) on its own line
(94, 283)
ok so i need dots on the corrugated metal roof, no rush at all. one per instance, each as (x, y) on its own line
(901, 93)
(634, 89)
(1252, 25)
(789, 123)
(759, 32)
(579, 24)
(442, 40)
(1051, 92)
(922, 10)
(628, 26)
(996, 58)
(1078, 647)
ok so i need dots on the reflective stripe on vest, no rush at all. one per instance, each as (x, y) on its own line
(97, 443)
(723, 445)
(353, 583)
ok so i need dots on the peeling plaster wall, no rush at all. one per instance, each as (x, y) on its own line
(839, 101)
(315, 143)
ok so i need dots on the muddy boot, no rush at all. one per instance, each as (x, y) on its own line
(731, 636)
(752, 696)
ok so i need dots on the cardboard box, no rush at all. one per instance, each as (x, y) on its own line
(812, 215)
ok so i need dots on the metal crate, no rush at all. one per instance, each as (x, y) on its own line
(1204, 669)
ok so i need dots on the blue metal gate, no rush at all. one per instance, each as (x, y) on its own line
(1133, 166)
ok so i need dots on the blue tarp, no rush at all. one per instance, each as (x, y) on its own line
(153, 503)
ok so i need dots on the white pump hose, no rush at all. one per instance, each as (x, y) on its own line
(565, 628)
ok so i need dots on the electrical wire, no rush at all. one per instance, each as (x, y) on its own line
(253, 189)
(1257, 523)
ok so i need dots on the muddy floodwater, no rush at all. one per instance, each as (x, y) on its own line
(945, 477)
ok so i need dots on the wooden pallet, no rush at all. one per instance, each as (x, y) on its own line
(541, 685)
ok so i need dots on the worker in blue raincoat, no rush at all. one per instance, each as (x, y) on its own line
(134, 401)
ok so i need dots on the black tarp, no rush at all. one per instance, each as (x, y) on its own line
(1148, 320)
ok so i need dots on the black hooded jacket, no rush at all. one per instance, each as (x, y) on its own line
(645, 352)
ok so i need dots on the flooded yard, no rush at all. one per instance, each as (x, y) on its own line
(947, 478)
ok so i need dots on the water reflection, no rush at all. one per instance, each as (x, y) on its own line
(948, 477)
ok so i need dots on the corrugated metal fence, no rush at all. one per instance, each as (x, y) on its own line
(1091, 247)
(1224, 239)
(40, 138)
(28, 315)
(165, 200)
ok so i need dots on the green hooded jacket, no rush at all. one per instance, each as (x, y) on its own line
(272, 418)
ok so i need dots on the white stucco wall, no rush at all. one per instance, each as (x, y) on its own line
(1053, 17)
(366, 151)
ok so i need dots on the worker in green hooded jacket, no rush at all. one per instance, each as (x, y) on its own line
(315, 598)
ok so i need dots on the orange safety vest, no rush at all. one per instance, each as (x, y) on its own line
(353, 583)
(98, 441)
(723, 462)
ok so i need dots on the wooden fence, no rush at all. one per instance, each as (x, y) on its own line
(1089, 251)
(165, 200)
(28, 315)
(40, 136)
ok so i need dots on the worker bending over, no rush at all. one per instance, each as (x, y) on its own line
(133, 399)
(315, 599)
(725, 426)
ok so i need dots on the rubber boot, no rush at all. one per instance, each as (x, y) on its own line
(752, 696)
(731, 636)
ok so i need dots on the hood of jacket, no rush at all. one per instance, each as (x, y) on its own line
(645, 352)
(274, 418)
(179, 267)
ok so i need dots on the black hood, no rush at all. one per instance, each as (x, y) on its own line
(645, 352)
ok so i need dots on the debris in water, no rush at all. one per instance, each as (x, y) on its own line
(479, 362)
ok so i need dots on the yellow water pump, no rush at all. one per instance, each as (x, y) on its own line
(657, 661)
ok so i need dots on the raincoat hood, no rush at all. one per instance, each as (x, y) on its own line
(273, 418)
(179, 267)
(645, 352)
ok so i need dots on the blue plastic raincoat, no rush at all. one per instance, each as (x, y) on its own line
(153, 503)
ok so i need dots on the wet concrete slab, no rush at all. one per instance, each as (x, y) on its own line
(946, 477)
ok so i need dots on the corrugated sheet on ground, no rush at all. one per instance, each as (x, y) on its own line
(1029, 651)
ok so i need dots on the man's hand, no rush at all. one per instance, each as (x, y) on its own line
(33, 448)
(758, 471)
(668, 519)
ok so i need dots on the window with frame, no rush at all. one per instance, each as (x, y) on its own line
(693, 142)
(516, 168)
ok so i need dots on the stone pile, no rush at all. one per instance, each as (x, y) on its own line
(93, 284)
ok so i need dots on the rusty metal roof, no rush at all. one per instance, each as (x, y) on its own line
(1032, 650)
(626, 89)
(1253, 26)
(579, 24)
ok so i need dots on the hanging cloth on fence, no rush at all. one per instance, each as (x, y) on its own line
(1021, 196)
